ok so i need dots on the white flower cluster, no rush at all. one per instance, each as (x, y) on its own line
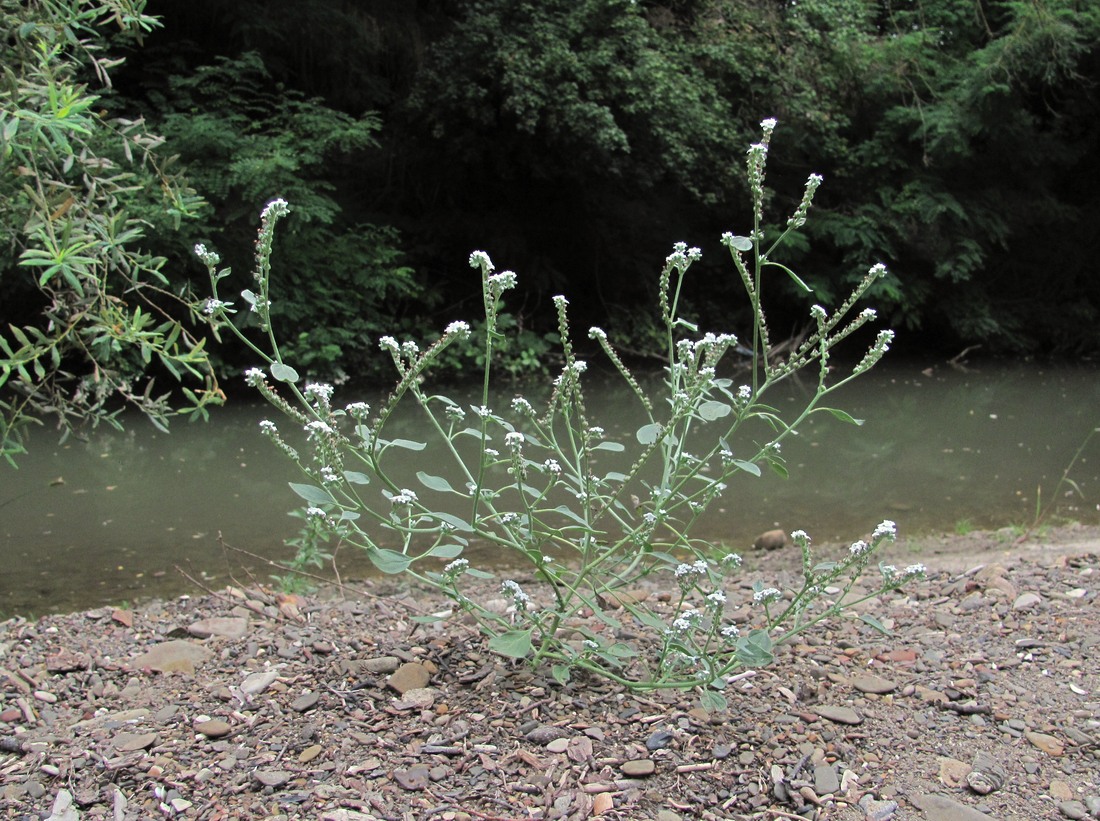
(552, 467)
(479, 259)
(319, 392)
(388, 343)
(276, 208)
(405, 497)
(499, 283)
(254, 377)
(521, 405)
(686, 621)
(208, 257)
(697, 568)
(859, 548)
(456, 568)
(885, 529)
(766, 596)
(317, 428)
(514, 439)
(512, 588)
(458, 328)
(357, 409)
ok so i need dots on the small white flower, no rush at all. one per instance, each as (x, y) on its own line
(521, 405)
(877, 270)
(744, 393)
(818, 313)
(458, 328)
(717, 597)
(597, 333)
(317, 428)
(730, 631)
(268, 427)
(499, 283)
(254, 377)
(277, 208)
(316, 513)
(768, 125)
(732, 560)
(766, 596)
(885, 529)
(512, 588)
(858, 548)
(514, 439)
(481, 410)
(552, 466)
(212, 306)
(358, 409)
(455, 412)
(479, 259)
(915, 570)
(457, 567)
(329, 476)
(800, 537)
(560, 301)
(319, 391)
(591, 645)
(388, 343)
(405, 497)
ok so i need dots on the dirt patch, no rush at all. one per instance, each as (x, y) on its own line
(985, 699)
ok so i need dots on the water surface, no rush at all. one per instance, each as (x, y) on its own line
(110, 520)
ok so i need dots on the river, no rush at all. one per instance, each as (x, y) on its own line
(116, 519)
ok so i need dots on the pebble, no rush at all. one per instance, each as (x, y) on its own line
(1025, 601)
(826, 780)
(942, 808)
(129, 742)
(1047, 743)
(411, 675)
(638, 767)
(271, 778)
(414, 778)
(229, 627)
(874, 810)
(659, 740)
(256, 683)
(1060, 791)
(1073, 809)
(873, 684)
(177, 655)
(838, 715)
(304, 702)
(213, 728)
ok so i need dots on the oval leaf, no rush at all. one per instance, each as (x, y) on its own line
(407, 444)
(312, 494)
(446, 551)
(713, 409)
(454, 521)
(356, 478)
(841, 415)
(741, 243)
(614, 447)
(434, 482)
(283, 373)
(390, 561)
(647, 434)
(748, 467)
(515, 644)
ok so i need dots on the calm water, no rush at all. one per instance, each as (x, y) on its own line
(110, 520)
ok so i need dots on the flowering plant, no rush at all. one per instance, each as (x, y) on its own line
(532, 481)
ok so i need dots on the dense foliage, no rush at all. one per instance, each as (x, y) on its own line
(87, 322)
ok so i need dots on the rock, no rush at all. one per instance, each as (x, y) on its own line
(986, 774)
(309, 753)
(638, 767)
(1025, 601)
(1047, 743)
(941, 808)
(953, 772)
(1060, 791)
(66, 661)
(213, 728)
(129, 742)
(256, 683)
(414, 778)
(271, 778)
(380, 664)
(546, 733)
(872, 684)
(176, 656)
(659, 740)
(419, 698)
(874, 810)
(838, 715)
(771, 540)
(63, 809)
(230, 627)
(1073, 809)
(603, 802)
(304, 702)
(826, 780)
(409, 676)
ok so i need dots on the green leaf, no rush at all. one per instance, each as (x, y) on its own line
(407, 444)
(713, 409)
(432, 618)
(514, 644)
(748, 467)
(456, 522)
(312, 494)
(647, 434)
(561, 673)
(435, 482)
(446, 551)
(614, 447)
(755, 649)
(477, 574)
(621, 650)
(283, 373)
(712, 702)
(841, 415)
(875, 623)
(389, 561)
(356, 478)
(741, 243)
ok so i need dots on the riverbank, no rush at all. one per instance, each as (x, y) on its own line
(239, 703)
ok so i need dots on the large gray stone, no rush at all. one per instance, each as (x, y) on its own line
(941, 808)
(177, 655)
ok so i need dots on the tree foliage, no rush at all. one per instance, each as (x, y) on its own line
(87, 322)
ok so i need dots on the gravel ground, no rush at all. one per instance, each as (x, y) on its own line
(984, 702)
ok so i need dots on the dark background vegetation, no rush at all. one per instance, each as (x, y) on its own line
(576, 140)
